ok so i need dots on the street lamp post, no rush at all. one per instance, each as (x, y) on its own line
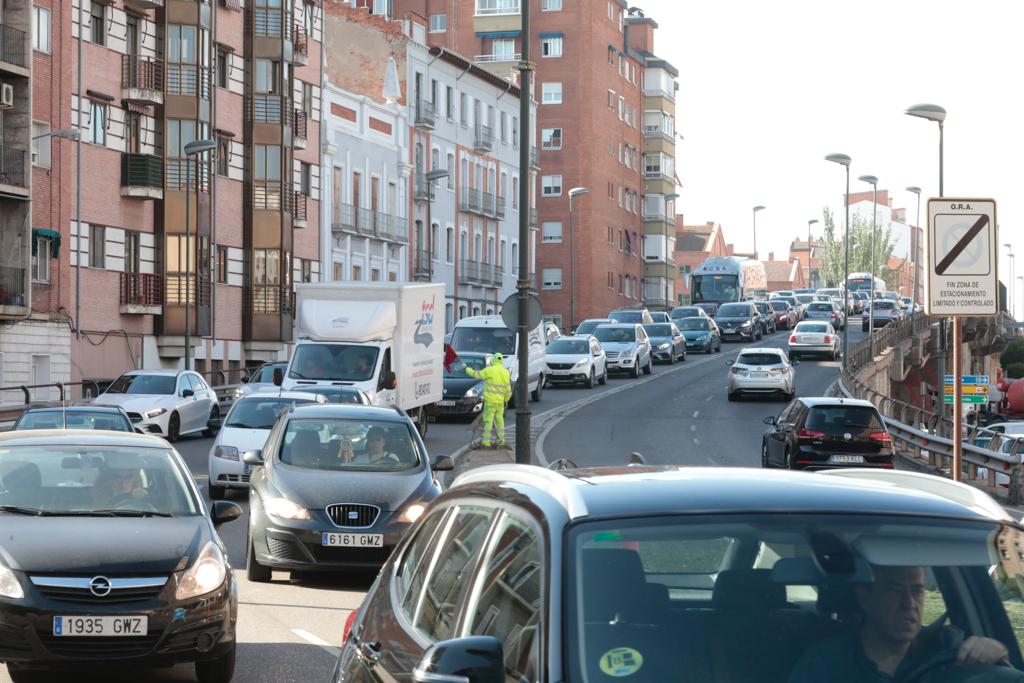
(915, 242)
(1021, 278)
(873, 182)
(809, 224)
(1009, 290)
(194, 148)
(844, 160)
(431, 177)
(573, 193)
(756, 209)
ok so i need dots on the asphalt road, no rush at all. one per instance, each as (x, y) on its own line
(289, 629)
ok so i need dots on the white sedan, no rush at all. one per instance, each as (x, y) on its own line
(246, 428)
(575, 360)
(814, 338)
(168, 403)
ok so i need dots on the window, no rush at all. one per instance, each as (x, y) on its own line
(97, 122)
(551, 138)
(449, 245)
(449, 102)
(41, 29)
(551, 186)
(221, 270)
(497, 6)
(463, 109)
(308, 18)
(40, 145)
(551, 93)
(415, 562)
(515, 193)
(503, 128)
(438, 23)
(551, 231)
(451, 171)
(305, 178)
(132, 251)
(307, 98)
(41, 259)
(268, 76)
(552, 278)
(97, 247)
(267, 177)
(98, 24)
(435, 241)
(503, 49)
(550, 5)
(551, 46)
(223, 65)
(223, 155)
(305, 270)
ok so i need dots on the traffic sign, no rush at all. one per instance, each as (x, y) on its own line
(962, 257)
(967, 398)
(969, 379)
(510, 311)
(969, 389)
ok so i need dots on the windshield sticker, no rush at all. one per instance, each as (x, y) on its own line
(622, 661)
(608, 536)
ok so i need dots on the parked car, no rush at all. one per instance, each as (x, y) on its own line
(701, 334)
(762, 372)
(767, 315)
(632, 315)
(109, 556)
(170, 403)
(590, 324)
(660, 317)
(627, 347)
(688, 312)
(784, 314)
(907, 304)
(462, 396)
(261, 379)
(74, 416)
(667, 342)
(335, 488)
(814, 338)
(816, 433)
(579, 359)
(769, 562)
(826, 310)
(246, 428)
(739, 321)
(342, 394)
(883, 311)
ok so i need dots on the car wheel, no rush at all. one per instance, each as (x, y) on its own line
(219, 670)
(733, 396)
(788, 458)
(173, 427)
(254, 571)
(590, 380)
(635, 372)
(214, 414)
(719, 346)
(650, 366)
(604, 377)
(764, 454)
(536, 393)
(671, 357)
(683, 357)
(217, 492)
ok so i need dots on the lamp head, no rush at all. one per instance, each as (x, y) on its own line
(437, 174)
(932, 112)
(577, 191)
(839, 159)
(758, 208)
(869, 179)
(200, 146)
(916, 190)
(812, 221)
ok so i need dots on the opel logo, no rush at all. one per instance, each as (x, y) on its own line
(100, 586)
(847, 436)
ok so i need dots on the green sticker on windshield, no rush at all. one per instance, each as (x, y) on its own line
(607, 536)
(622, 661)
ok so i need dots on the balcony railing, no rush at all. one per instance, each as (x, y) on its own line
(422, 266)
(492, 274)
(266, 196)
(142, 73)
(142, 290)
(300, 124)
(188, 79)
(484, 139)
(499, 57)
(12, 167)
(499, 207)
(487, 202)
(267, 22)
(175, 289)
(535, 159)
(142, 170)
(12, 46)
(12, 286)
(180, 170)
(267, 109)
(497, 7)
(268, 299)
(421, 188)
(656, 131)
(299, 210)
(300, 42)
(426, 114)
(470, 200)
(471, 272)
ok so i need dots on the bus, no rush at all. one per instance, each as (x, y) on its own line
(723, 279)
(862, 282)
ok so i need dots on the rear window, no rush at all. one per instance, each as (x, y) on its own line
(821, 307)
(804, 298)
(780, 306)
(734, 311)
(820, 328)
(761, 307)
(884, 304)
(612, 334)
(759, 359)
(839, 419)
(688, 312)
(628, 316)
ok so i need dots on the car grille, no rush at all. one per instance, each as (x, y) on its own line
(612, 355)
(76, 589)
(135, 417)
(98, 647)
(561, 366)
(353, 515)
(285, 550)
(354, 555)
(234, 478)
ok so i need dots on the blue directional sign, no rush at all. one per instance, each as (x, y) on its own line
(969, 379)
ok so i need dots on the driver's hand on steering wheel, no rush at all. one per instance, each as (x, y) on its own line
(979, 650)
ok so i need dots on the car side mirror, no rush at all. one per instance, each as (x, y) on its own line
(388, 380)
(473, 659)
(225, 511)
(186, 393)
(278, 379)
(253, 457)
(442, 463)
(214, 423)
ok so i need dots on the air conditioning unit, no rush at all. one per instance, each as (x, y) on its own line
(6, 95)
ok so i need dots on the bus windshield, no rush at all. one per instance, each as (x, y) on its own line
(715, 288)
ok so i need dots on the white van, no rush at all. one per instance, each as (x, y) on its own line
(488, 334)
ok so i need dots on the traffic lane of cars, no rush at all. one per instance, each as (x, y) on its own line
(685, 419)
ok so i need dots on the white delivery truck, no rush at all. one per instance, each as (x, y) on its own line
(488, 334)
(386, 338)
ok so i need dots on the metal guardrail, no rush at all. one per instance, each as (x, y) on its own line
(925, 434)
(10, 414)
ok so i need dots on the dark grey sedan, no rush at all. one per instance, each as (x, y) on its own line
(667, 343)
(336, 487)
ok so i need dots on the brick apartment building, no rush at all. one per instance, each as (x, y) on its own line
(111, 285)
(596, 80)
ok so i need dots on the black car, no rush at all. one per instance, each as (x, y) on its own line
(109, 557)
(680, 312)
(654, 575)
(667, 343)
(335, 487)
(739, 321)
(462, 395)
(821, 433)
(767, 314)
(75, 416)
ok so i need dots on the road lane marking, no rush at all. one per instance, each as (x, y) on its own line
(693, 428)
(696, 441)
(696, 414)
(316, 640)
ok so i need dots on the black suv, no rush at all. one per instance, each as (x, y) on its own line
(740, 321)
(638, 573)
(818, 433)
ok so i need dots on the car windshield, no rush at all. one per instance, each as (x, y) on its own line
(258, 412)
(143, 384)
(734, 311)
(788, 590)
(830, 292)
(658, 330)
(761, 306)
(333, 362)
(265, 375)
(485, 340)
(820, 307)
(588, 326)
(791, 300)
(614, 334)
(759, 358)
(692, 324)
(811, 328)
(73, 419)
(780, 306)
(458, 367)
(569, 347)
(628, 316)
(349, 395)
(804, 298)
(93, 480)
(687, 312)
(838, 419)
(338, 444)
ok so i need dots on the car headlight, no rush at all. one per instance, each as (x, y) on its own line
(664, 347)
(226, 452)
(475, 390)
(10, 587)
(582, 362)
(205, 576)
(154, 413)
(283, 508)
(746, 323)
(704, 338)
(412, 512)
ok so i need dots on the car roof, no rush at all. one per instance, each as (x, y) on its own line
(350, 410)
(308, 395)
(762, 349)
(1009, 427)
(577, 337)
(80, 437)
(166, 373)
(640, 490)
(76, 407)
(625, 326)
(814, 401)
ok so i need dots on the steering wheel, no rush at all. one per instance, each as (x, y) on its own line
(942, 668)
(127, 501)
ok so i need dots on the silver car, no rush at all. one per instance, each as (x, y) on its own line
(628, 348)
(762, 371)
(828, 311)
(814, 337)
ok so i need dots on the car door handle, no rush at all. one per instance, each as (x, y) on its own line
(369, 651)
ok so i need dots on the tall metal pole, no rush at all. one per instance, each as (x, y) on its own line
(188, 261)
(958, 394)
(941, 369)
(1009, 290)
(523, 445)
(78, 182)
(846, 268)
(755, 233)
(871, 317)
(572, 270)
(915, 245)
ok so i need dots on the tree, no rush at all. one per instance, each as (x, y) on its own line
(833, 253)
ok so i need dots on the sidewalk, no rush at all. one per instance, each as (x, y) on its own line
(473, 455)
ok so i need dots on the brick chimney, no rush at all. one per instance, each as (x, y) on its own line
(771, 255)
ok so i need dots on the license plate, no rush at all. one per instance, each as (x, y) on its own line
(125, 627)
(847, 459)
(808, 340)
(446, 404)
(759, 374)
(352, 540)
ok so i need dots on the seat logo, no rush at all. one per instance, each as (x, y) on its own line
(353, 515)
(100, 586)
(847, 436)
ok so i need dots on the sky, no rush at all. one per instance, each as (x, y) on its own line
(767, 89)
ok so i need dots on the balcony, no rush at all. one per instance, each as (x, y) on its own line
(657, 131)
(499, 207)
(300, 126)
(299, 210)
(268, 299)
(488, 204)
(267, 109)
(421, 188)
(144, 4)
(12, 167)
(188, 80)
(535, 159)
(498, 57)
(471, 272)
(142, 80)
(492, 275)
(142, 294)
(484, 138)
(658, 173)
(426, 115)
(470, 200)
(423, 269)
(492, 7)
(300, 46)
(344, 221)
(142, 175)
(12, 48)
(12, 289)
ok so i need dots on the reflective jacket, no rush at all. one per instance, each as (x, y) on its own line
(497, 383)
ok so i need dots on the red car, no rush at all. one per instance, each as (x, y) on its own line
(785, 315)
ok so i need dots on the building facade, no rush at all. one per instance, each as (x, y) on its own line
(693, 245)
